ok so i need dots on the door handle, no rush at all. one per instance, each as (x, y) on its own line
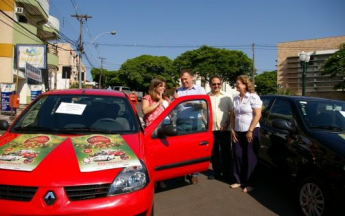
(203, 143)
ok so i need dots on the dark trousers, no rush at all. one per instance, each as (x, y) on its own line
(245, 157)
(221, 153)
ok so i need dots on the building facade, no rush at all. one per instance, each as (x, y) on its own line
(289, 69)
(67, 74)
(26, 23)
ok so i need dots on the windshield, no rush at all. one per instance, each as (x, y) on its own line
(77, 114)
(323, 114)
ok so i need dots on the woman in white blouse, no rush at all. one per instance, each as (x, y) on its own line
(245, 131)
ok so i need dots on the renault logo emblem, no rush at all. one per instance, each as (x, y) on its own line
(50, 198)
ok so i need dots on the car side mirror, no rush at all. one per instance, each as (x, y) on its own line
(4, 125)
(285, 125)
(167, 130)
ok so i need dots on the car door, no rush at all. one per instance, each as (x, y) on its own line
(180, 140)
(273, 140)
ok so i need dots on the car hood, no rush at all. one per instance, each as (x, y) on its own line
(62, 167)
(331, 140)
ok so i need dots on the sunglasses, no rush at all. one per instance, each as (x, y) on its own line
(214, 84)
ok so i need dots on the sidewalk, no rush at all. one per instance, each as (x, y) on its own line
(7, 115)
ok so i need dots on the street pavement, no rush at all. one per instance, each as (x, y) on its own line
(272, 196)
(7, 117)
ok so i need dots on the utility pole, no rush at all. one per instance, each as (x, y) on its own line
(253, 72)
(80, 46)
(101, 73)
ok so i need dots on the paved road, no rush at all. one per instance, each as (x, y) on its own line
(212, 197)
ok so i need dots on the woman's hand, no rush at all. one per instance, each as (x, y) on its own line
(233, 135)
(249, 136)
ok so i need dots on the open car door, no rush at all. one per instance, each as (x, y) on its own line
(180, 140)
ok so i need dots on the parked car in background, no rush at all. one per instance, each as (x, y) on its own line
(304, 138)
(92, 155)
(128, 91)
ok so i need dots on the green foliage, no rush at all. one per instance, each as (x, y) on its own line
(266, 83)
(76, 85)
(284, 91)
(137, 73)
(335, 65)
(207, 61)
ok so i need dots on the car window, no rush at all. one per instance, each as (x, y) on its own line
(265, 103)
(318, 114)
(265, 108)
(280, 110)
(188, 117)
(78, 114)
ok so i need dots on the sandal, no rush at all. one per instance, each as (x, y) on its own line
(248, 189)
(234, 186)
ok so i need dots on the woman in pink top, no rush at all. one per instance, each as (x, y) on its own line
(154, 104)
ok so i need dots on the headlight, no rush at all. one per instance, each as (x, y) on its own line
(130, 179)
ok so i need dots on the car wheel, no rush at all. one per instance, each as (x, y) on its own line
(313, 197)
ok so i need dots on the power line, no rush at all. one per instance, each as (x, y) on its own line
(81, 19)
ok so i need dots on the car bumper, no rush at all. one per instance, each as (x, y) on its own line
(136, 203)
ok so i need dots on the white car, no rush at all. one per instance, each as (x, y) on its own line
(10, 157)
(103, 157)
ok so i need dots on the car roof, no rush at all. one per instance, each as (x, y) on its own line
(298, 98)
(103, 92)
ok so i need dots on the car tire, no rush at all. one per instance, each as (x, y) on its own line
(313, 198)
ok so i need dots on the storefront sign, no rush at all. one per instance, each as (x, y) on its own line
(6, 91)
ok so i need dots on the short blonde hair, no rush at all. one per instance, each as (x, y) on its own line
(246, 81)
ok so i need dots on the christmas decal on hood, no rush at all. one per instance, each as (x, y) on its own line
(27, 150)
(100, 152)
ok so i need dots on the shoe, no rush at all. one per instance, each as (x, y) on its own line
(234, 186)
(214, 176)
(210, 177)
(193, 180)
(248, 189)
(162, 185)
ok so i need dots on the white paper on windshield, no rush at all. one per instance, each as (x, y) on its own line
(71, 108)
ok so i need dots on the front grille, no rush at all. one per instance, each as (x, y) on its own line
(17, 193)
(76, 193)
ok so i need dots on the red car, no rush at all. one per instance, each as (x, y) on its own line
(71, 125)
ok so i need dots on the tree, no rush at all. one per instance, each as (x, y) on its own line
(207, 61)
(138, 72)
(266, 83)
(335, 65)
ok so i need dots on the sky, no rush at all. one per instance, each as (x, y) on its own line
(172, 27)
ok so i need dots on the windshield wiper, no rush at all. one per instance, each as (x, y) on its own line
(34, 128)
(333, 128)
(85, 129)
